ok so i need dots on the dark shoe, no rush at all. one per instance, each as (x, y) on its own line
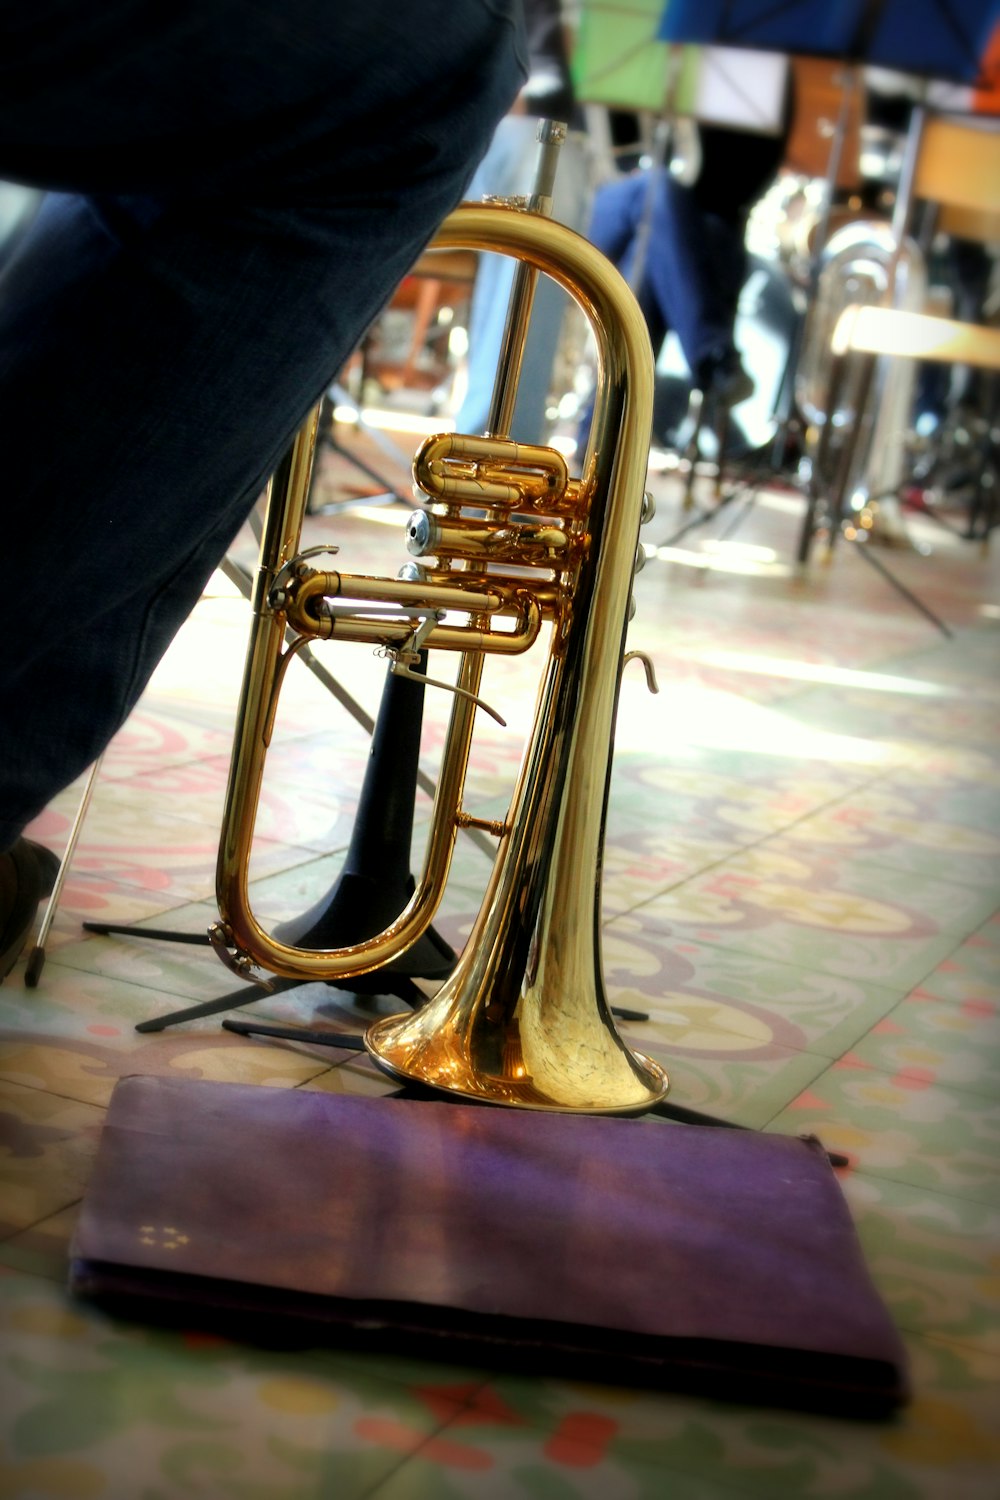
(27, 874)
(731, 385)
(722, 379)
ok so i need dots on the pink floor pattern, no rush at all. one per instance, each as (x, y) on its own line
(800, 891)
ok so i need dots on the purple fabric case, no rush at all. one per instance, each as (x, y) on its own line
(711, 1260)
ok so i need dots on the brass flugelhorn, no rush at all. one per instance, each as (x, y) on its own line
(519, 550)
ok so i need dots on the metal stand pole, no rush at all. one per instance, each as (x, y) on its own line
(36, 958)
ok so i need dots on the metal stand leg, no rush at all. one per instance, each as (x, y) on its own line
(36, 959)
(412, 1090)
(375, 882)
(864, 550)
(696, 411)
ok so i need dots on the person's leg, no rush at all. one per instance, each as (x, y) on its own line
(695, 265)
(616, 216)
(246, 188)
(728, 259)
(619, 228)
(622, 227)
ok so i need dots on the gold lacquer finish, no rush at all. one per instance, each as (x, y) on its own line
(524, 1019)
(282, 575)
(514, 541)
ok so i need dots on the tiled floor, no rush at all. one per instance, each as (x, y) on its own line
(801, 889)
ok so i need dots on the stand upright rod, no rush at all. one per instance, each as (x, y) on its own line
(551, 134)
(36, 959)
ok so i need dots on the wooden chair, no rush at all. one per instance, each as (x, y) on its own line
(864, 334)
(440, 278)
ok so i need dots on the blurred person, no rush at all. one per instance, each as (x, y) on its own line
(233, 192)
(507, 170)
(681, 245)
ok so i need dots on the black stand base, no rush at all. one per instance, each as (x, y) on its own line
(391, 982)
(356, 908)
(349, 1043)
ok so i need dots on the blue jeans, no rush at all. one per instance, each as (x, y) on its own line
(235, 192)
(686, 267)
(507, 169)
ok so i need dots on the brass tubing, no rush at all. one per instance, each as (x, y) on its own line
(396, 633)
(245, 933)
(526, 469)
(280, 542)
(524, 1019)
(511, 357)
(285, 510)
(551, 134)
(495, 452)
(476, 601)
(524, 542)
(510, 588)
(496, 826)
(401, 591)
(484, 488)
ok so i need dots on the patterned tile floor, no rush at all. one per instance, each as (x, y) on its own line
(801, 890)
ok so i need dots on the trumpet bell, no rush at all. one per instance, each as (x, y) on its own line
(547, 1055)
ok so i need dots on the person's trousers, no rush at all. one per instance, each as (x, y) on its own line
(685, 266)
(235, 191)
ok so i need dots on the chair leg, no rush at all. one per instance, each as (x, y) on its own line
(837, 485)
(721, 438)
(696, 411)
(843, 476)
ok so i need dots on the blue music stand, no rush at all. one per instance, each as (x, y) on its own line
(940, 39)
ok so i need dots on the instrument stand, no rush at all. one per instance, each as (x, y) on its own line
(374, 885)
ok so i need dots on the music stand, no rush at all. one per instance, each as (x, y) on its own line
(939, 39)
